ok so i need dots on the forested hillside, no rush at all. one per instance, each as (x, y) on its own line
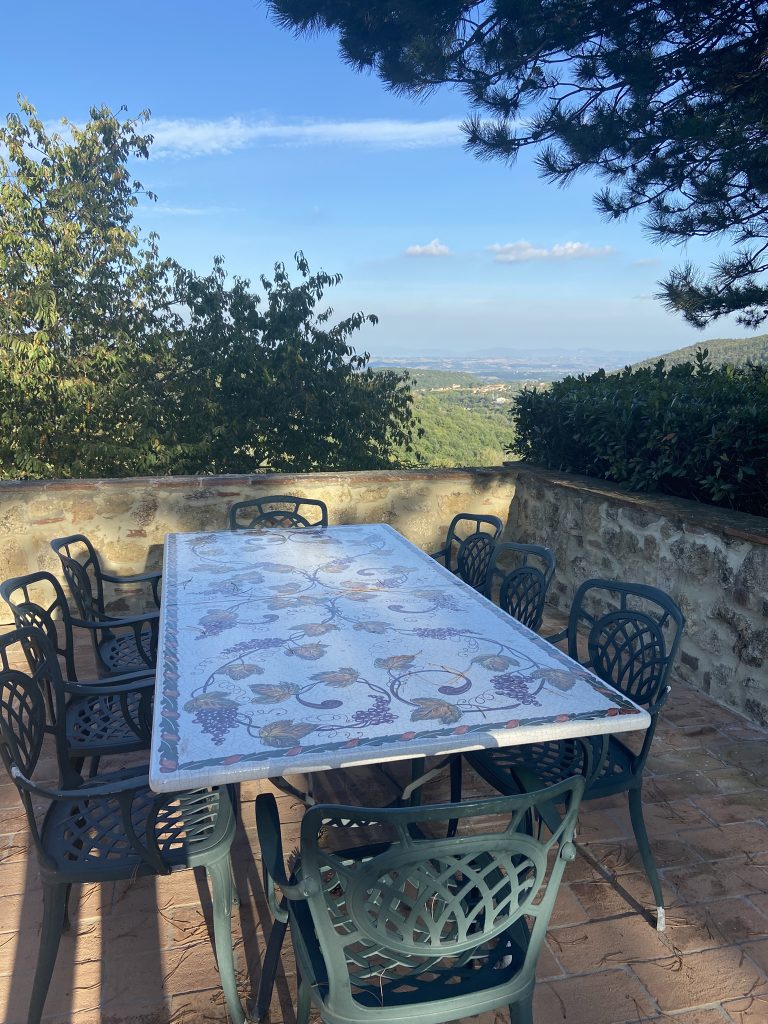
(733, 351)
(465, 420)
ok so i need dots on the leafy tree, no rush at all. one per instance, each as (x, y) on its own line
(83, 301)
(275, 383)
(665, 99)
(114, 361)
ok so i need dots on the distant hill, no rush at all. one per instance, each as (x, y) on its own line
(733, 351)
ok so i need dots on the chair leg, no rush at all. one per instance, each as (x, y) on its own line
(67, 923)
(455, 770)
(220, 879)
(303, 1003)
(522, 1012)
(638, 826)
(54, 913)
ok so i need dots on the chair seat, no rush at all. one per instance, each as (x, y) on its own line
(556, 760)
(98, 725)
(379, 980)
(121, 654)
(86, 838)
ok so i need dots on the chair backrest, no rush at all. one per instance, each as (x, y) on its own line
(632, 633)
(469, 546)
(410, 896)
(523, 588)
(37, 601)
(23, 722)
(284, 510)
(82, 571)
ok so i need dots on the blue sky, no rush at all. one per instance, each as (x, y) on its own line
(265, 144)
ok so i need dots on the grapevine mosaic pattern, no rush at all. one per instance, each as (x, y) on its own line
(321, 647)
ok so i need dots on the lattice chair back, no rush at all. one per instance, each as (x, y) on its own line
(282, 510)
(37, 601)
(630, 643)
(406, 919)
(522, 590)
(469, 546)
(23, 721)
(82, 571)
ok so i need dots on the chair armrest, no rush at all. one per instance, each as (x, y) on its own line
(142, 577)
(118, 680)
(105, 689)
(90, 788)
(439, 554)
(271, 843)
(109, 622)
(555, 638)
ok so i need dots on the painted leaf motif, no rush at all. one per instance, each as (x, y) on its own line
(216, 621)
(284, 734)
(397, 662)
(560, 678)
(431, 708)
(316, 628)
(273, 693)
(275, 567)
(309, 652)
(337, 565)
(241, 671)
(286, 588)
(341, 677)
(496, 662)
(372, 627)
(212, 699)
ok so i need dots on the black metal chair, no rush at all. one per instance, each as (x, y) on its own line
(108, 828)
(631, 644)
(404, 924)
(95, 719)
(521, 590)
(120, 644)
(469, 545)
(278, 510)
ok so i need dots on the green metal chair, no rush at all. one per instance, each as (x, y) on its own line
(120, 644)
(468, 547)
(284, 510)
(631, 644)
(402, 925)
(108, 828)
(97, 719)
(522, 590)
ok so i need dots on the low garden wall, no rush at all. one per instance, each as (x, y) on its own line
(713, 562)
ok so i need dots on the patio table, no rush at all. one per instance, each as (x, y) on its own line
(296, 651)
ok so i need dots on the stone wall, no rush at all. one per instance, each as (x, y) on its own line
(127, 519)
(713, 562)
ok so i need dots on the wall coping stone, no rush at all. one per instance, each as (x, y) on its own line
(739, 525)
(280, 481)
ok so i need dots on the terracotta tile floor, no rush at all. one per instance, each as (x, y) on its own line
(140, 953)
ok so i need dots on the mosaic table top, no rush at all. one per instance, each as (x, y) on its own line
(287, 651)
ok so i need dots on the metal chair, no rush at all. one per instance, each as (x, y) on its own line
(468, 548)
(522, 590)
(277, 510)
(120, 644)
(631, 644)
(109, 828)
(96, 719)
(405, 925)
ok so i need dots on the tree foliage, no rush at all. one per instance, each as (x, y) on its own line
(692, 430)
(665, 99)
(114, 361)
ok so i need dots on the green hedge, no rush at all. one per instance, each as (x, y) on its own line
(691, 430)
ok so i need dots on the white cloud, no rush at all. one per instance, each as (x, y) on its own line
(433, 248)
(168, 210)
(524, 252)
(188, 137)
